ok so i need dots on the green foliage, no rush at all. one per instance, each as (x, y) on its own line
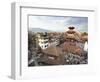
(84, 34)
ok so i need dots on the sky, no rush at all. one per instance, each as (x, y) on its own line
(58, 23)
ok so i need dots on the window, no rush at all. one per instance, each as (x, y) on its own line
(45, 46)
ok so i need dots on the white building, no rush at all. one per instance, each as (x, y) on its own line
(43, 43)
(54, 42)
(86, 46)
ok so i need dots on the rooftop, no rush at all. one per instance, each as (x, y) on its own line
(53, 50)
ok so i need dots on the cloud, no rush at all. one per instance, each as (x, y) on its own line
(58, 23)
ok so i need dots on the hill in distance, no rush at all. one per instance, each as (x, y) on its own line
(39, 30)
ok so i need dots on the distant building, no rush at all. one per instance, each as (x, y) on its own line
(44, 41)
(54, 42)
(84, 39)
(86, 46)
